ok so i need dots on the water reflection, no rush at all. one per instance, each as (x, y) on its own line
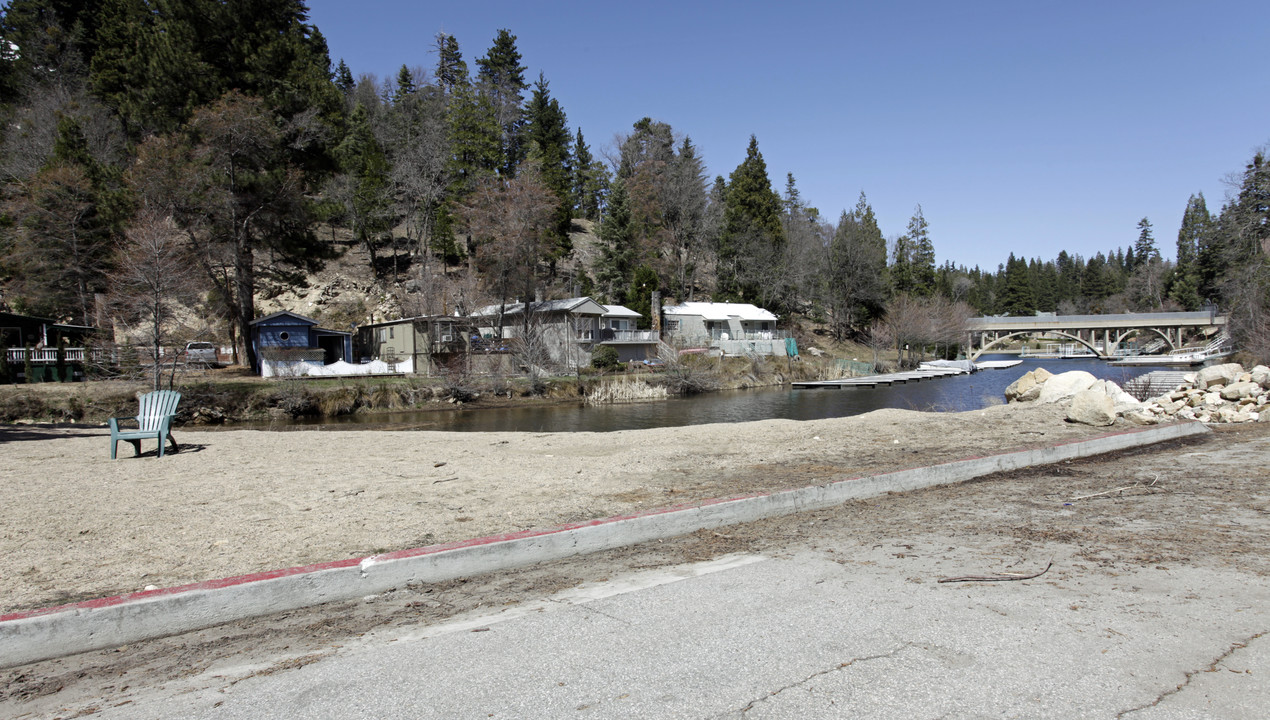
(965, 392)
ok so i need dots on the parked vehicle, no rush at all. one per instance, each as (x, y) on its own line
(201, 353)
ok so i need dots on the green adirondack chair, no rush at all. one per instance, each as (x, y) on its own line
(153, 421)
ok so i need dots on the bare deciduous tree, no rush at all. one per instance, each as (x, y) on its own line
(507, 219)
(917, 323)
(153, 276)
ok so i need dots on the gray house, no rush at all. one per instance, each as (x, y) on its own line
(571, 328)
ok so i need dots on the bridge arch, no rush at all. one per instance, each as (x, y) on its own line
(1024, 333)
(1120, 338)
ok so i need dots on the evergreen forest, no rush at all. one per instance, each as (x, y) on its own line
(167, 154)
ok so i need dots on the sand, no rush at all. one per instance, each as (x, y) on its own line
(76, 525)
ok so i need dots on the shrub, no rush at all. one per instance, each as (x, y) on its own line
(605, 358)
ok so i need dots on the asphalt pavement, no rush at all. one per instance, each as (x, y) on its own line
(804, 635)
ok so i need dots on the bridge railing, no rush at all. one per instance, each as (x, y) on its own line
(990, 322)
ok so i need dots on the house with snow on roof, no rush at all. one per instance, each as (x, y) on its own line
(570, 328)
(730, 328)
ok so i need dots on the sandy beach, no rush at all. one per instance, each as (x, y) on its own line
(77, 525)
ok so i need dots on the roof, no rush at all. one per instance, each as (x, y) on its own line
(720, 311)
(545, 306)
(399, 321)
(284, 313)
(16, 317)
(619, 311)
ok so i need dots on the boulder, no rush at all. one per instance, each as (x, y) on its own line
(1240, 390)
(1230, 414)
(1224, 374)
(1066, 385)
(1028, 387)
(1124, 402)
(1261, 376)
(1141, 417)
(1213, 400)
(1091, 407)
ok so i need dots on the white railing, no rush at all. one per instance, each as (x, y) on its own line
(43, 356)
(749, 335)
(607, 335)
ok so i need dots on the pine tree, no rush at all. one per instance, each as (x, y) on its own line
(752, 239)
(684, 217)
(1016, 294)
(1192, 236)
(157, 63)
(923, 254)
(344, 78)
(588, 180)
(451, 69)
(855, 271)
(1144, 249)
(547, 138)
(405, 85)
(474, 138)
(501, 80)
(617, 256)
(362, 160)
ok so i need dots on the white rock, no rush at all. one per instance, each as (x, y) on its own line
(1240, 390)
(1141, 417)
(1261, 375)
(1223, 374)
(1066, 385)
(1027, 387)
(1091, 407)
(1213, 400)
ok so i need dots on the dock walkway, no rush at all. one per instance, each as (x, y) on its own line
(924, 372)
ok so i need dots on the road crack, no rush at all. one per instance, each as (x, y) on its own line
(840, 666)
(1212, 667)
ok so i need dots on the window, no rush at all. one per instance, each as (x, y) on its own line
(284, 336)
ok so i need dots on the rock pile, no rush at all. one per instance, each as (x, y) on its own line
(1217, 394)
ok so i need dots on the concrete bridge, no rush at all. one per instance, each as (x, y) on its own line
(1102, 334)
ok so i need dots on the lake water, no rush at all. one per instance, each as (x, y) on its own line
(952, 394)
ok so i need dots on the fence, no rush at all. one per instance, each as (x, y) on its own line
(853, 368)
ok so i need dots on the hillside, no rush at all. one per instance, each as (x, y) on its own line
(347, 291)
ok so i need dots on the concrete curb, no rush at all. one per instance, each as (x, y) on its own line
(31, 636)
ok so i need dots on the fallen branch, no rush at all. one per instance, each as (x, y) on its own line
(996, 578)
(1122, 489)
(434, 482)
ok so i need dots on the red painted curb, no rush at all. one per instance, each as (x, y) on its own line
(236, 580)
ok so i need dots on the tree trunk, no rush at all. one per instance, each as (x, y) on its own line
(244, 282)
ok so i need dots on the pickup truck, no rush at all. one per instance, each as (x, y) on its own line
(201, 353)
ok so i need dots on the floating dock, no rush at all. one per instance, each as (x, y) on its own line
(923, 372)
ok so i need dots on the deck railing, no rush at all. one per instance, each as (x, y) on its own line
(43, 356)
(607, 335)
(749, 335)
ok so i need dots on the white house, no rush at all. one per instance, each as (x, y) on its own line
(732, 328)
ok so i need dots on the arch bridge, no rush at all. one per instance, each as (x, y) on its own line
(1102, 334)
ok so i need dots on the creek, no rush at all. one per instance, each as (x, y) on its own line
(952, 394)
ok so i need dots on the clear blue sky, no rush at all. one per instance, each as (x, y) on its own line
(1026, 127)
